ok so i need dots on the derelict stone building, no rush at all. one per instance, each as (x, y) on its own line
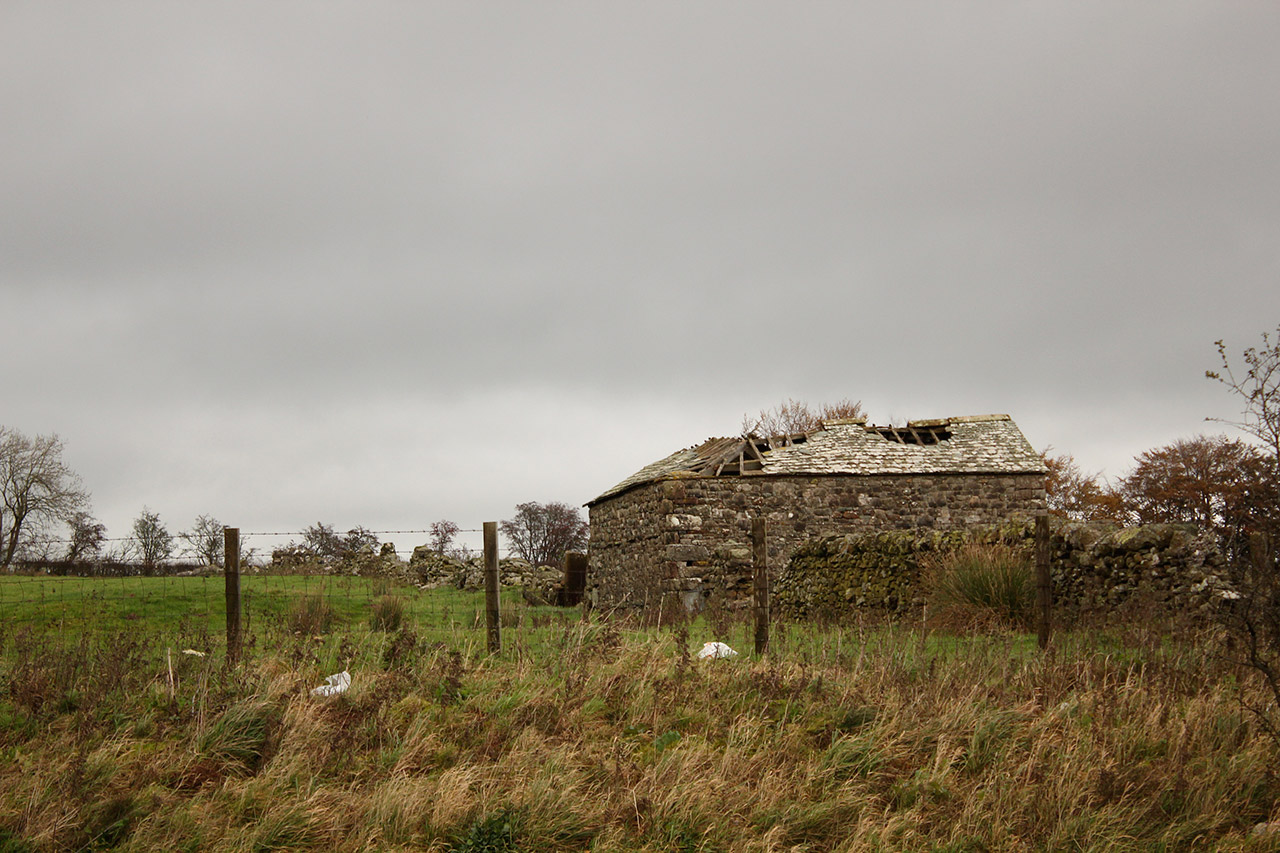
(683, 523)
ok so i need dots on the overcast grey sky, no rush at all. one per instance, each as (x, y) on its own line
(386, 263)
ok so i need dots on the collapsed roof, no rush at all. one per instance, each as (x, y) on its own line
(974, 444)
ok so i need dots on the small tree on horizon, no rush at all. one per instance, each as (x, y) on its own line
(542, 533)
(205, 540)
(442, 536)
(88, 535)
(322, 540)
(152, 543)
(1072, 494)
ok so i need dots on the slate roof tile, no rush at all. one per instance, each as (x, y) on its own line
(975, 444)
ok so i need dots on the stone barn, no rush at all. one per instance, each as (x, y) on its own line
(683, 524)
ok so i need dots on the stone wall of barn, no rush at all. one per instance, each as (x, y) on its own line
(691, 535)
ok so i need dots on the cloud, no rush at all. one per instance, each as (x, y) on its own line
(269, 257)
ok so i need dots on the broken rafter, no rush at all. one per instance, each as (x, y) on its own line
(734, 459)
(923, 436)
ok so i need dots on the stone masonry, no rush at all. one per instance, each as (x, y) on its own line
(679, 527)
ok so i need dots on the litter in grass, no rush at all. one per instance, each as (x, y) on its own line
(717, 650)
(193, 652)
(335, 684)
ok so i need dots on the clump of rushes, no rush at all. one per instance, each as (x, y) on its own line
(388, 613)
(310, 614)
(981, 584)
(239, 737)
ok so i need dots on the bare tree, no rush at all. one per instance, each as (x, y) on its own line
(323, 541)
(205, 540)
(152, 543)
(41, 542)
(442, 535)
(358, 538)
(36, 487)
(792, 417)
(1252, 621)
(88, 535)
(1259, 389)
(541, 533)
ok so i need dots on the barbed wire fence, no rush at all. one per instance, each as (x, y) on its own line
(281, 539)
(184, 603)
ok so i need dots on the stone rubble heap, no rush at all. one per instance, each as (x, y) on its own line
(427, 569)
(430, 569)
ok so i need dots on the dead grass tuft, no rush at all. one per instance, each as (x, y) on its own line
(310, 615)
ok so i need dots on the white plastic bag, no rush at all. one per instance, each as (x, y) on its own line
(717, 650)
(334, 685)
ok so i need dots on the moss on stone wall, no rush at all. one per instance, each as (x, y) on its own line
(692, 534)
(834, 574)
(1175, 568)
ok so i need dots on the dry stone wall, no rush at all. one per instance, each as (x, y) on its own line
(1174, 568)
(426, 569)
(429, 569)
(1171, 569)
(690, 535)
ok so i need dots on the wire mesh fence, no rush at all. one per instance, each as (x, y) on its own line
(283, 579)
(189, 611)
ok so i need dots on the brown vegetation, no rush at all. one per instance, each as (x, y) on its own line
(612, 740)
(1218, 483)
(792, 417)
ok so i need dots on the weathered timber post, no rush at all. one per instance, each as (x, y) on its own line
(1044, 592)
(760, 565)
(231, 572)
(575, 578)
(492, 616)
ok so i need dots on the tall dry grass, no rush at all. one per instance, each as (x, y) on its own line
(981, 584)
(611, 740)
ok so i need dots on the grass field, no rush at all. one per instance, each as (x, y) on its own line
(191, 610)
(605, 735)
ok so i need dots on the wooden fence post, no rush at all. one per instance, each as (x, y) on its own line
(1044, 590)
(492, 615)
(760, 565)
(231, 572)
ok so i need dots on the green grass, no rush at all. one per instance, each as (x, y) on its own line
(189, 608)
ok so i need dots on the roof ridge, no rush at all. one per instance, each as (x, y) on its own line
(925, 446)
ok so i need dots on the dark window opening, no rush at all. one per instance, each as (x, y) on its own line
(923, 436)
